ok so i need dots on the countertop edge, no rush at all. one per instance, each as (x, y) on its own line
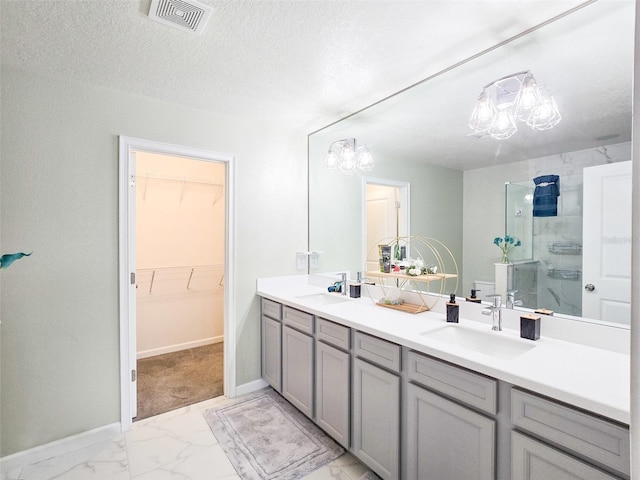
(593, 401)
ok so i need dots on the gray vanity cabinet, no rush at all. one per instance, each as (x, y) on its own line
(534, 460)
(297, 359)
(272, 343)
(565, 442)
(376, 405)
(333, 375)
(446, 440)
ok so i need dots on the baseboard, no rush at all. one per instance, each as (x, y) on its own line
(250, 387)
(58, 447)
(179, 346)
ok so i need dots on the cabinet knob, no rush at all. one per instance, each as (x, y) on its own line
(589, 287)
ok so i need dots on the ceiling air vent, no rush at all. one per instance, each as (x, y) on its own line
(189, 16)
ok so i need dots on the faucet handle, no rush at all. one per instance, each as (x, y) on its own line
(497, 300)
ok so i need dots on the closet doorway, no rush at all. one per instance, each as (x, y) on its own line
(386, 207)
(176, 277)
(180, 222)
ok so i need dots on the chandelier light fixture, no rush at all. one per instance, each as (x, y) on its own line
(347, 157)
(509, 100)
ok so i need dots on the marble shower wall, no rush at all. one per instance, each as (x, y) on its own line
(552, 276)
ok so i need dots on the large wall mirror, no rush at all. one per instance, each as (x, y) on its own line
(465, 190)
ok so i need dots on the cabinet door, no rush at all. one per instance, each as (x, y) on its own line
(272, 352)
(446, 441)
(533, 460)
(297, 369)
(332, 392)
(376, 418)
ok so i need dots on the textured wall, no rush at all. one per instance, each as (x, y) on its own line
(60, 340)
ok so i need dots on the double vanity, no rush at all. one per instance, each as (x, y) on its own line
(415, 397)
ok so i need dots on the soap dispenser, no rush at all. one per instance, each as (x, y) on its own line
(453, 309)
(473, 297)
(355, 288)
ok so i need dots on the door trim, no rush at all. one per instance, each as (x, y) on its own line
(127, 326)
(405, 189)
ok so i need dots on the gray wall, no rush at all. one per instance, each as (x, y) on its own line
(335, 202)
(59, 197)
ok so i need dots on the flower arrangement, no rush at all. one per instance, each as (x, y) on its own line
(506, 244)
(418, 268)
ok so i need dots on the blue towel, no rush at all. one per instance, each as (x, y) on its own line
(545, 196)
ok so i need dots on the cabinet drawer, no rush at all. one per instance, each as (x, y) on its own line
(586, 435)
(533, 460)
(271, 309)
(378, 351)
(333, 333)
(471, 388)
(299, 320)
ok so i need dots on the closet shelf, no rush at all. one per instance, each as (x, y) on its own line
(179, 179)
(183, 180)
(185, 274)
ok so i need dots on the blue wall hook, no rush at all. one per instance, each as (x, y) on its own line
(8, 258)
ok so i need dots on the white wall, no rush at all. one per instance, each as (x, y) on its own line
(59, 183)
(180, 237)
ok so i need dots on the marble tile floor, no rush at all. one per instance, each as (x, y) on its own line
(177, 445)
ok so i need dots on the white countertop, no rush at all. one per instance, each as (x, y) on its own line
(591, 378)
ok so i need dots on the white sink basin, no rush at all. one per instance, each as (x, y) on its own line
(490, 343)
(323, 298)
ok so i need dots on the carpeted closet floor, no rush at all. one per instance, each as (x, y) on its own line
(178, 379)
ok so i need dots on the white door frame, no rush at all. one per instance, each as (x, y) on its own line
(405, 188)
(127, 146)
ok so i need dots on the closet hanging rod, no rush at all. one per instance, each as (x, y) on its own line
(179, 179)
(217, 266)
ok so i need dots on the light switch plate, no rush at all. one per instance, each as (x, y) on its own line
(315, 259)
(301, 260)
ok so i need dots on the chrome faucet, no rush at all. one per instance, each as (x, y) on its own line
(343, 280)
(496, 311)
(511, 299)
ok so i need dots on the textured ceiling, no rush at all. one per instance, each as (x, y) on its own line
(584, 59)
(302, 63)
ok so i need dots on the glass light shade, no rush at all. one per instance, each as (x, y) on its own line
(529, 97)
(364, 159)
(504, 124)
(483, 114)
(545, 115)
(331, 161)
(347, 160)
(343, 155)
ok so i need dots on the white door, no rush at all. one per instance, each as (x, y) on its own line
(386, 218)
(606, 264)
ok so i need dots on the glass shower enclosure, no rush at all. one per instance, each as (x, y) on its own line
(547, 268)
